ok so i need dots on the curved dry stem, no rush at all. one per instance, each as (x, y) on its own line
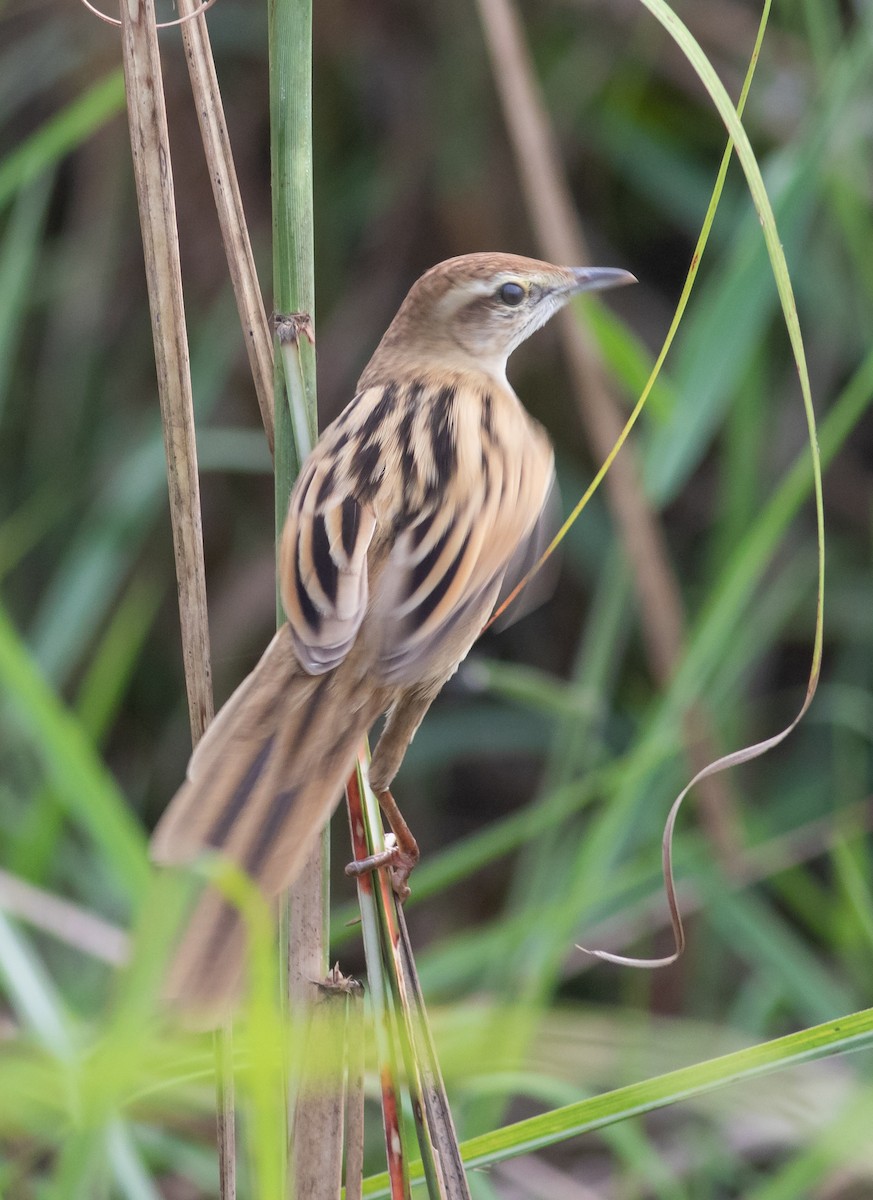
(107, 20)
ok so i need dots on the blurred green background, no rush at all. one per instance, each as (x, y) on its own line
(540, 782)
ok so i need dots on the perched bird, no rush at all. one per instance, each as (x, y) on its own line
(414, 510)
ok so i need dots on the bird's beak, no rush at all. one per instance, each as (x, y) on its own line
(595, 279)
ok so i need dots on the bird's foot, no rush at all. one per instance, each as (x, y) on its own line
(400, 859)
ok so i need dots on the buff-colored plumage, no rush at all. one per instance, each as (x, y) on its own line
(408, 518)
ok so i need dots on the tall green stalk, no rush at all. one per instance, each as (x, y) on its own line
(293, 255)
(290, 51)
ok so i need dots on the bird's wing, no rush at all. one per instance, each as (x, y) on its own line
(540, 586)
(324, 564)
(445, 570)
(435, 512)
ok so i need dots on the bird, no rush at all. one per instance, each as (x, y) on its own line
(416, 509)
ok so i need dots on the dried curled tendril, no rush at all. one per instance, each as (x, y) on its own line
(160, 25)
(746, 754)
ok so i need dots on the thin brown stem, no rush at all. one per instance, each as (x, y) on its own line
(228, 203)
(157, 210)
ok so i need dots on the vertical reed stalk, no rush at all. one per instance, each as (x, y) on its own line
(290, 54)
(294, 291)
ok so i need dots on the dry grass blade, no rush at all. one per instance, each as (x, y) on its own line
(561, 240)
(154, 187)
(799, 847)
(228, 203)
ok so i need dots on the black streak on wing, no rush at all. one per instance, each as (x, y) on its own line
(402, 521)
(421, 529)
(441, 436)
(325, 567)
(372, 425)
(280, 806)
(433, 597)
(422, 569)
(488, 416)
(311, 615)
(408, 464)
(224, 823)
(326, 486)
(366, 464)
(351, 517)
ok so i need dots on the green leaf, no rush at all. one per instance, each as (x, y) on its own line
(61, 134)
(86, 788)
(850, 1033)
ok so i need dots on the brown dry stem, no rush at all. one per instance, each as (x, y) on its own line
(157, 210)
(228, 203)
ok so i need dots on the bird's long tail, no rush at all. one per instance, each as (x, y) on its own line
(261, 784)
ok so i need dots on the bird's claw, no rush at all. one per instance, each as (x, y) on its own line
(401, 863)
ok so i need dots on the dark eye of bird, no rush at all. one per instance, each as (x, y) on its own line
(511, 294)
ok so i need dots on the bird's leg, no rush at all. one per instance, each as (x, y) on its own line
(401, 857)
(403, 720)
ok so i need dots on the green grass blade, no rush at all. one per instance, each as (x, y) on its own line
(18, 257)
(61, 134)
(86, 788)
(850, 1033)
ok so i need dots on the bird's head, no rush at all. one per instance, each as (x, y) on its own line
(470, 313)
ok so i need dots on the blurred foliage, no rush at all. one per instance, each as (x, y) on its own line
(540, 781)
